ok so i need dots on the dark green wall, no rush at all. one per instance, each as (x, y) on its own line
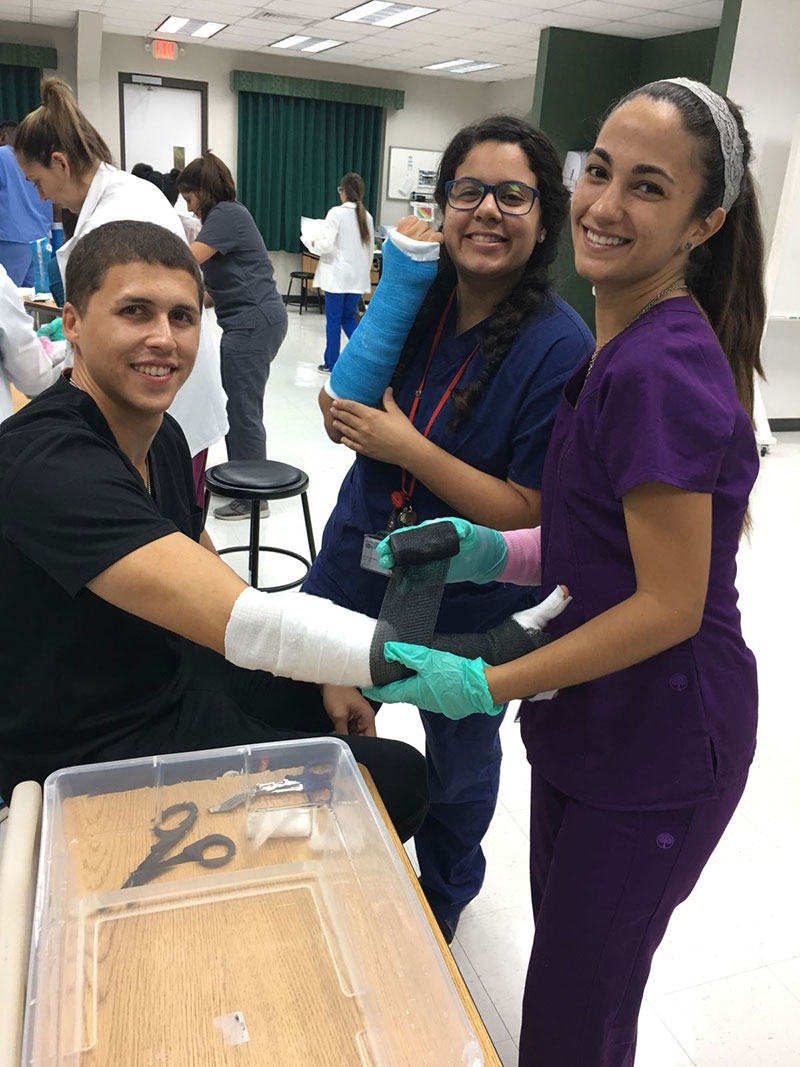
(685, 55)
(579, 75)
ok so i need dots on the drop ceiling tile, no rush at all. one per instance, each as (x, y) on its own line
(603, 9)
(344, 30)
(313, 8)
(566, 21)
(627, 29)
(493, 10)
(710, 9)
(671, 20)
(453, 17)
(655, 5)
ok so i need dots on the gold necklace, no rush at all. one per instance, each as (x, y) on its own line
(645, 309)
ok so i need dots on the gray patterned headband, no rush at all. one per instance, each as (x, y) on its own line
(729, 139)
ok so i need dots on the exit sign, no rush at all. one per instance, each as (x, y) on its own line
(165, 49)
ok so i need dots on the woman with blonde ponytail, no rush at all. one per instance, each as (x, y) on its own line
(70, 163)
(345, 252)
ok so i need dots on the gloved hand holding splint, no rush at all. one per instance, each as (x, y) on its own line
(311, 639)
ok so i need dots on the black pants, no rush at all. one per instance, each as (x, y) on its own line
(225, 705)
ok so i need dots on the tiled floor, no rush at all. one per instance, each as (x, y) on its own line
(725, 985)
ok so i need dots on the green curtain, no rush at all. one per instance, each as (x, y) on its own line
(19, 91)
(293, 152)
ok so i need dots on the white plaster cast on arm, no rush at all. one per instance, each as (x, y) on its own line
(299, 636)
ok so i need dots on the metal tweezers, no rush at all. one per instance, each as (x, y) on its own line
(285, 785)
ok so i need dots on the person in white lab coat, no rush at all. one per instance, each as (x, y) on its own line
(61, 152)
(345, 250)
(26, 361)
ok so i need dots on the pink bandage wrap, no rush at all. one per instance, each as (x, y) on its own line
(524, 558)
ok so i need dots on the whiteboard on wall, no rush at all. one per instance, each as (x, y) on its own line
(783, 262)
(157, 119)
(411, 170)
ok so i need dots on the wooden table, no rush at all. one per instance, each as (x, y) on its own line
(42, 311)
(490, 1056)
(309, 262)
(271, 950)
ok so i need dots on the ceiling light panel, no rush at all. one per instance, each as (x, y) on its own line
(461, 66)
(300, 43)
(383, 13)
(188, 27)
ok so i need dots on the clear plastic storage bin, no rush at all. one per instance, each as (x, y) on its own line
(288, 935)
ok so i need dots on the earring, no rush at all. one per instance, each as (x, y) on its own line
(688, 245)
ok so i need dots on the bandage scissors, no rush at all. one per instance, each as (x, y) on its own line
(308, 781)
(157, 861)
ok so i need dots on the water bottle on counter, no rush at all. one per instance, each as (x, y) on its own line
(40, 250)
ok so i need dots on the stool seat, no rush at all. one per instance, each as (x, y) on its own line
(256, 479)
(305, 277)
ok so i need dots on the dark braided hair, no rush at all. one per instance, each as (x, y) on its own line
(532, 293)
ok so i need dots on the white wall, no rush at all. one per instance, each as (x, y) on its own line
(765, 80)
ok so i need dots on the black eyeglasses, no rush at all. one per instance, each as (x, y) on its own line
(512, 198)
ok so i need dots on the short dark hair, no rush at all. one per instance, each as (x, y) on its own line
(118, 243)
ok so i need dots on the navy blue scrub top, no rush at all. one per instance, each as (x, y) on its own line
(506, 435)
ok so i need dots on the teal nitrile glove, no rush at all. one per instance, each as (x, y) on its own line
(454, 686)
(481, 552)
(53, 330)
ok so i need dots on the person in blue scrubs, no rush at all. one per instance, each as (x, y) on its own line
(465, 431)
(23, 218)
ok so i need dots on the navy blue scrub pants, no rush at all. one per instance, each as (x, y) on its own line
(340, 314)
(463, 779)
(245, 359)
(604, 885)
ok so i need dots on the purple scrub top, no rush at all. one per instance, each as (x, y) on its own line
(659, 406)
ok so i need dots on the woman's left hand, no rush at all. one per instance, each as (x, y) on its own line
(453, 686)
(387, 435)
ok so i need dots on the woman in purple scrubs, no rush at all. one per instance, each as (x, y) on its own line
(640, 760)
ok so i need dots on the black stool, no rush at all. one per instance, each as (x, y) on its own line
(256, 480)
(305, 278)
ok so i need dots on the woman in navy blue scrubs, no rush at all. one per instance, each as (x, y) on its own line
(466, 431)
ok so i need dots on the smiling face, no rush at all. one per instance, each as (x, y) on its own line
(633, 207)
(136, 339)
(484, 243)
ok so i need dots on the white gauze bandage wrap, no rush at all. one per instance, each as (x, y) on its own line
(295, 635)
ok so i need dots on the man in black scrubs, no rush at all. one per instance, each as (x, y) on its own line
(113, 602)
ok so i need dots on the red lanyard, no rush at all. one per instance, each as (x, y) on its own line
(401, 497)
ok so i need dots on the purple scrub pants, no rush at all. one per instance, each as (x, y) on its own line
(604, 886)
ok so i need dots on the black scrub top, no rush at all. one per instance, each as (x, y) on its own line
(78, 673)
